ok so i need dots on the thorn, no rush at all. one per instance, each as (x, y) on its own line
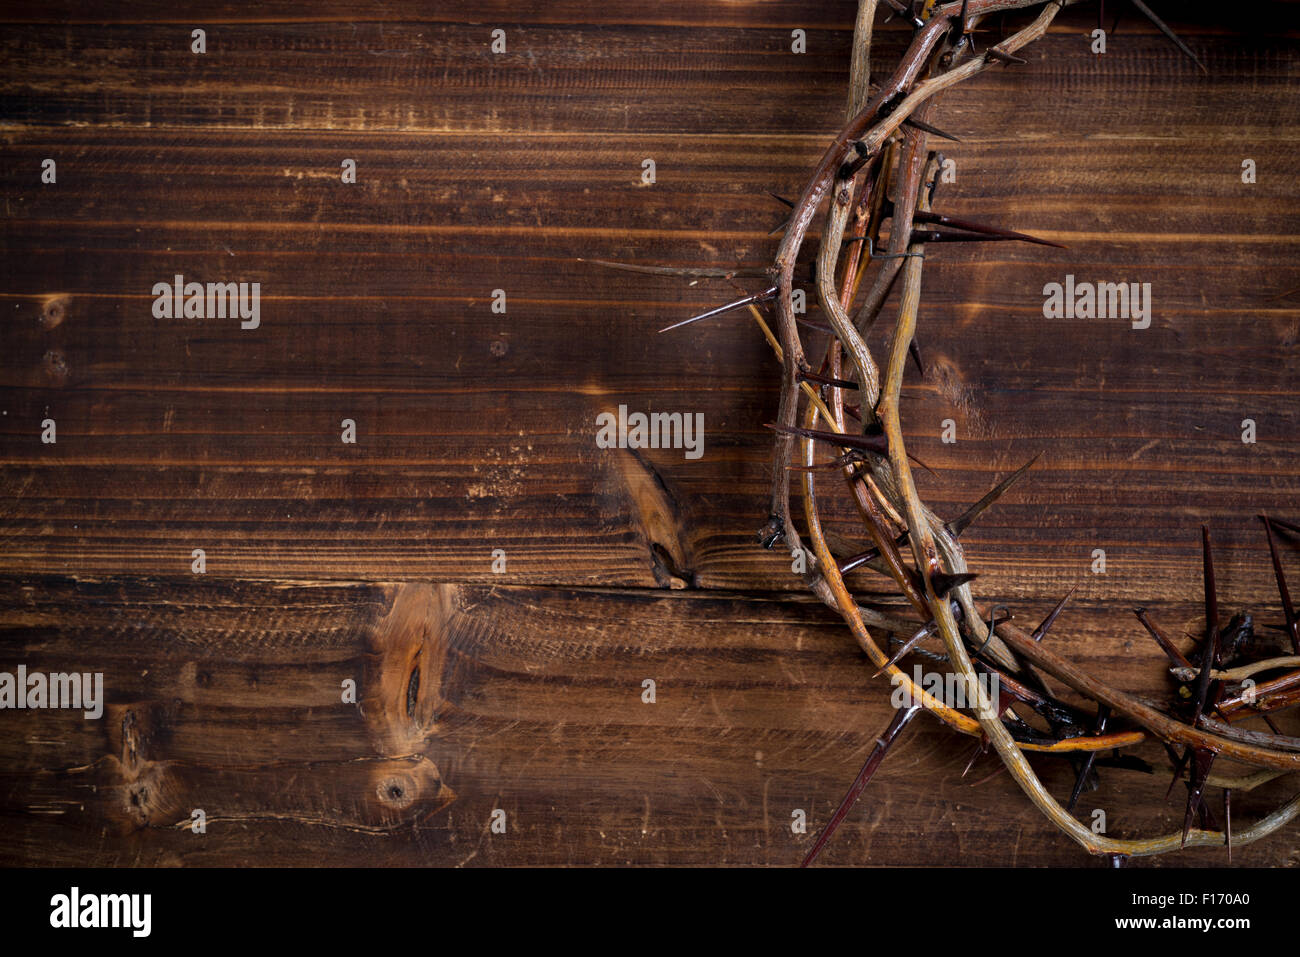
(877, 443)
(827, 380)
(711, 272)
(984, 236)
(812, 324)
(939, 219)
(1202, 758)
(870, 555)
(925, 632)
(1179, 764)
(1167, 646)
(944, 582)
(1227, 821)
(1164, 28)
(927, 128)
(993, 53)
(1211, 591)
(1292, 622)
(915, 352)
(980, 748)
(962, 522)
(900, 721)
(780, 199)
(763, 296)
(1103, 713)
(1210, 650)
(838, 462)
(1051, 617)
(989, 777)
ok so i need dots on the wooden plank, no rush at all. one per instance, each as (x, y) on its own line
(226, 697)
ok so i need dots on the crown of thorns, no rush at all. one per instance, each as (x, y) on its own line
(850, 404)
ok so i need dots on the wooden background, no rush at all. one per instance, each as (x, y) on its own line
(478, 171)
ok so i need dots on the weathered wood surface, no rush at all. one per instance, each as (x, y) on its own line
(476, 430)
(225, 697)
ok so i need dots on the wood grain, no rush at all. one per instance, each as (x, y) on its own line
(476, 429)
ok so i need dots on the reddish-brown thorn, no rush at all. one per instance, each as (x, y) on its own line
(1227, 821)
(944, 582)
(877, 443)
(1173, 654)
(1202, 759)
(900, 721)
(1103, 713)
(924, 632)
(963, 521)
(1051, 616)
(836, 463)
(993, 53)
(1164, 28)
(933, 130)
(870, 555)
(928, 236)
(939, 219)
(1292, 622)
(1287, 525)
(980, 748)
(826, 380)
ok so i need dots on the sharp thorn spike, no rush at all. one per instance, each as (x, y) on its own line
(1211, 591)
(827, 380)
(836, 463)
(1173, 654)
(1202, 759)
(870, 555)
(878, 443)
(1227, 821)
(812, 324)
(780, 199)
(927, 128)
(944, 582)
(915, 352)
(1288, 609)
(1103, 713)
(979, 749)
(1164, 28)
(939, 219)
(962, 522)
(1179, 764)
(921, 635)
(993, 53)
(1287, 525)
(1050, 620)
(748, 300)
(902, 717)
(972, 236)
